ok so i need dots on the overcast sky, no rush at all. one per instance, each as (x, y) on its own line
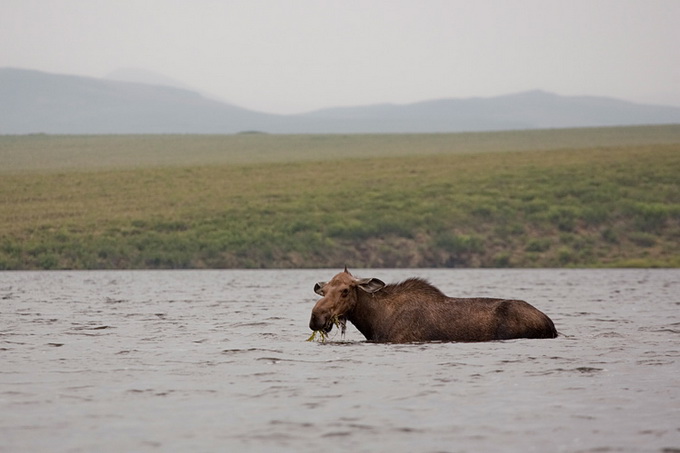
(289, 56)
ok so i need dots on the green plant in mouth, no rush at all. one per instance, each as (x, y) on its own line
(323, 336)
(340, 324)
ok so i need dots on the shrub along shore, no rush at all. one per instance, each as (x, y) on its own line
(576, 198)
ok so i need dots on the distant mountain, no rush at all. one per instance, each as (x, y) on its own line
(138, 75)
(528, 110)
(38, 102)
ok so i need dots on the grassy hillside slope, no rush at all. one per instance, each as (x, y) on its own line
(50, 153)
(602, 205)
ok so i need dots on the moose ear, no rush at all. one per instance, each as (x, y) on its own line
(318, 288)
(370, 285)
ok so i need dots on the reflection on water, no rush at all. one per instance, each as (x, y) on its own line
(217, 361)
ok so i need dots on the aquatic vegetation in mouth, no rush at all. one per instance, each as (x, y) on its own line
(323, 336)
(340, 323)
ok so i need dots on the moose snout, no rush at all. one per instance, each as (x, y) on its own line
(318, 322)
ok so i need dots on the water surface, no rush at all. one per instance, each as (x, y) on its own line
(217, 361)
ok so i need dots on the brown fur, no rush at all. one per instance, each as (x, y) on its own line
(414, 311)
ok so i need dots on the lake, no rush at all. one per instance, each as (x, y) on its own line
(204, 361)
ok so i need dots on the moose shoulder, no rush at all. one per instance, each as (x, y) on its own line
(415, 311)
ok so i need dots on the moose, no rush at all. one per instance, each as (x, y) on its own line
(416, 311)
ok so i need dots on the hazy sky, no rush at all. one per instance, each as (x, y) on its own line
(286, 56)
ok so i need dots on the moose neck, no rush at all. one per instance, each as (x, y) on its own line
(368, 315)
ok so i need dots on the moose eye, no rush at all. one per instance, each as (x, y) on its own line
(345, 292)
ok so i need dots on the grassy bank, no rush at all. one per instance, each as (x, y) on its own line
(50, 153)
(615, 205)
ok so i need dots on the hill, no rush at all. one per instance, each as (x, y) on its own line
(529, 110)
(557, 198)
(38, 102)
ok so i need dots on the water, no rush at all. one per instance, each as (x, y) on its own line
(217, 361)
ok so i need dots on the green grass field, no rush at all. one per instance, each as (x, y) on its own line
(49, 153)
(564, 198)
